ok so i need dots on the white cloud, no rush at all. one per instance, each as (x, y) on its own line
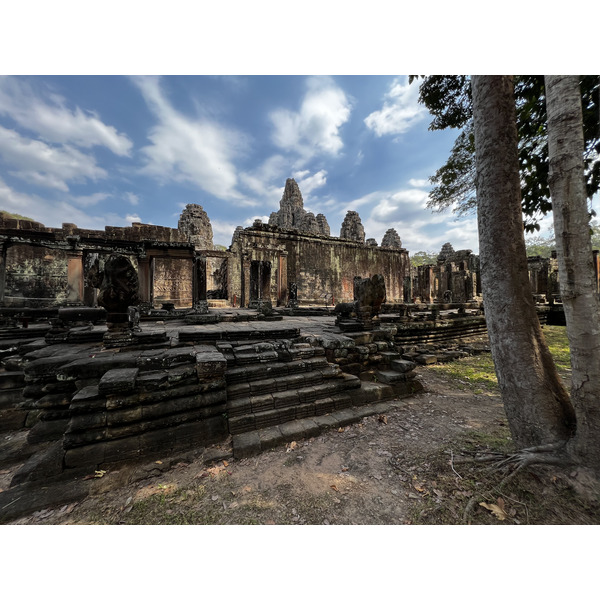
(266, 181)
(308, 183)
(192, 150)
(90, 200)
(315, 127)
(133, 218)
(405, 210)
(54, 122)
(419, 182)
(400, 110)
(223, 231)
(250, 221)
(132, 198)
(47, 165)
(54, 214)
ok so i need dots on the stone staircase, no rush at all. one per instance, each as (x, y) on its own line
(11, 386)
(281, 390)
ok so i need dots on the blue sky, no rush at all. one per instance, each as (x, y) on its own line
(109, 150)
(83, 141)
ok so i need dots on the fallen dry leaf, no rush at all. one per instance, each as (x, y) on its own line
(420, 489)
(99, 474)
(496, 510)
(291, 446)
(334, 488)
(382, 419)
(159, 462)
(225, 463)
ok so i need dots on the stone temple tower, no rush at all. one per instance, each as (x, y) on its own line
(195, 224)
(291, 213)
(352, 227)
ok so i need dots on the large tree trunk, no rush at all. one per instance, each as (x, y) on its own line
(536, 403)
(575, 265)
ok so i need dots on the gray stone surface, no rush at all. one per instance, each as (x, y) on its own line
(118, 381)
(352, 227)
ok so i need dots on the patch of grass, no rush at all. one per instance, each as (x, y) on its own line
(475, 373)
(558, 343)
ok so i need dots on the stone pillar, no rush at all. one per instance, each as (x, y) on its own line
(282, 288)
(75, 277)
(145, 279)
(245, 300)
(2, 271)
(199, 284)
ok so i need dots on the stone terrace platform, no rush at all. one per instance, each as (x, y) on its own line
(247, 383)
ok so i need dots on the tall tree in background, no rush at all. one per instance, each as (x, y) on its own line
(575, 265)
(536, 403)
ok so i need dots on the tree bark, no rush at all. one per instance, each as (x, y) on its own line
(575, 263)
(536, 403)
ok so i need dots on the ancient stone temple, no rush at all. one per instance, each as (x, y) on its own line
(455, 278)
(195, 225)
(391, 239)
(352, 227)
(181, 269)
(291, 214)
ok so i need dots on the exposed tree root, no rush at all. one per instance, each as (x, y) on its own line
(511, 464)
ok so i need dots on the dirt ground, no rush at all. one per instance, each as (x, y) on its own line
(411, 465)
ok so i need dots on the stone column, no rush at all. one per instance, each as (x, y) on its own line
(199, 301)
(145, 279)
(245, 281)
(282, 286)
(3, 249)
(75, 277)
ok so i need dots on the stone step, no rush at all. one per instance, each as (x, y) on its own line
(254, 442)
(277, 416)
(11, 380)
(240, 374)
(234, 332)
(392, 377)
(253, 412)
(426, 359)
(388, 357)
(281, 383)
(402, 366)
(264, 353)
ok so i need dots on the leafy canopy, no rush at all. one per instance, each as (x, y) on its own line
(448, 98)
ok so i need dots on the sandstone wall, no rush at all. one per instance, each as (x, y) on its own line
(35, 275)
(319, 265)
(173, 281)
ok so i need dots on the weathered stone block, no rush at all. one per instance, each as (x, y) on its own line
(210, 365)
(118, 381)
(45, 431)
(426, 359)
(85, 456)
(270, 438)
(246, 444)
(402, 366)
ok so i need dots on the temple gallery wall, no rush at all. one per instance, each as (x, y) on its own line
(291, 259)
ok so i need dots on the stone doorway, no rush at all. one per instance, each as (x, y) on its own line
(260, 280)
